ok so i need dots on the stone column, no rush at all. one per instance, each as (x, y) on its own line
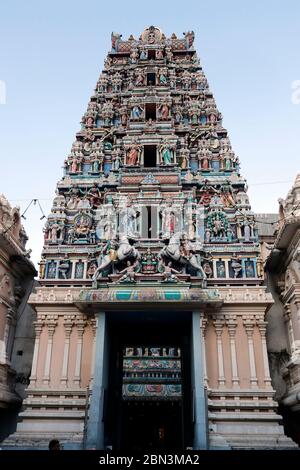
(68, 324)
(262, 326)
(51, 323)
(80, 325)
(219, 330)
(94, 329)
(95, 425)
(73, 267)
(227, 275)
(289, 327)
(7, 329)
(200, 413)
(297, 321)
(232, 325)
(38, 326)
(203, 323)
(249, 328)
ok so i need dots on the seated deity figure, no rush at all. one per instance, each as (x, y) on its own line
(169, 274)
(129, 274)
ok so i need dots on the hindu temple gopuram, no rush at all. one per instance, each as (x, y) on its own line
(150, 329)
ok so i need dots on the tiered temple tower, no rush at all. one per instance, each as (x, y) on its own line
(150, 328)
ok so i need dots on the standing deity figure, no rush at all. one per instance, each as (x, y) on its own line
(177, 112)
(133, 154)
(143, 54)
(186, 80)
(54, 232)
(42, 268)
(106, 227)
(245, 224)
(159, 55)
(236, 266)
(94, 196)
(189, 37)
(134, 55)
(227, 196)
(172, 79)
(190, 219)
(163, 111)
(96, 164)
(127, 219)
(169, 54)
(123, 114)
(137, 112)
(116, 162)
(64, 266)
(166, 151)
(162, 76)
(115, 39)
(140, 78)
(169, 219)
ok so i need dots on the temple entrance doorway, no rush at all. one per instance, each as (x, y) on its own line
(152, 425)
(149, 396)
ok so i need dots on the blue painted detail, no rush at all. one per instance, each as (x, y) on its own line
(107, 168)
(173, 295)
(193, 165)
(215, 165)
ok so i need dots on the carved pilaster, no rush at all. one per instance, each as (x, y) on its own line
(262, 326)
(93, 324)
(7, 330)
(203, 325)
(38, 327)
(232, 326)
(249, 328)
(80, 326)
(219, 324)
(289, 327)
(68, 325)
(51, 323)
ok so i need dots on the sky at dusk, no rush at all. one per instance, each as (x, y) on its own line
(52, 53)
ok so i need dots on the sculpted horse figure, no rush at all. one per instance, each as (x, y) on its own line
(180, 250)
(114, 252)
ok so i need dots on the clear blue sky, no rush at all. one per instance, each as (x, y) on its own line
(52, 53)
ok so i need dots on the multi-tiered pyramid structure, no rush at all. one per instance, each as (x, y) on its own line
(150, 328)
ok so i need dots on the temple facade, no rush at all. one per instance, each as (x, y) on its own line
(283, 276)
(16, 317)
(150, 328)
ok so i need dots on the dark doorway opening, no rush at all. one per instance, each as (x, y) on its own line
(150, 111)
(150, 156)
(149, 221)
(151, 54)
(151, 79)
(152, 425)
(135, 421)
